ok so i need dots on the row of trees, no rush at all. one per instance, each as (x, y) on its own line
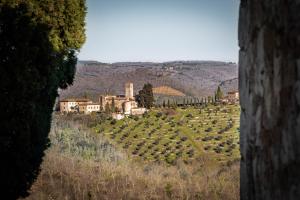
(195, 101)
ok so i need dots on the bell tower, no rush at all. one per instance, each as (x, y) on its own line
(129, 90)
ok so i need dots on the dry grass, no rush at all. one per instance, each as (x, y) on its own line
(66, 177)
(68, 173)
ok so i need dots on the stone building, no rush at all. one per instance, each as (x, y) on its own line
(129, 90)
(118, 104)
(121, 103)
(88, 108)
(71, 104)
(231, 97)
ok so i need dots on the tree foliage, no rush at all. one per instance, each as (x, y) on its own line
(39, 40)
(145, 97)
(113, 106)
(219, 94)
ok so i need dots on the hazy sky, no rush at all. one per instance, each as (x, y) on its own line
(161, 30)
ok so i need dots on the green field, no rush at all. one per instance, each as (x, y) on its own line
(167, 135)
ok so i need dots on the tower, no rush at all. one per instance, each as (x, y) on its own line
(129, 90)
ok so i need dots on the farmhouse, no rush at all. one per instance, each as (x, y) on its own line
(232, 97)
(89, 108)
(71, 104)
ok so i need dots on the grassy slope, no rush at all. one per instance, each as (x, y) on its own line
(83, 165)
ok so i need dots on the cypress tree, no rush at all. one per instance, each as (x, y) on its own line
(107, 108)
(113, 106)
(39, 41)
(219, 93)
(146, 97)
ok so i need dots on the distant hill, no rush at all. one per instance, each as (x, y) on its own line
(192, 78)
(166, 90)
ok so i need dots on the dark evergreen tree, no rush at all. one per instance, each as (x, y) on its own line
(164, 103)
(145, 97)
(107, 108)
(39, 41)
(168, 104)
(113, 106)
(219, 93)
(175, 104)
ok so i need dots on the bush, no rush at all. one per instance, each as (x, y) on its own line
(189, 115)
(158, 115)
(113, 122)
(136, 118)
(180, 123)
(208, 129)
(184, 138)
(218, 149)
(218, 137)
(206, 148)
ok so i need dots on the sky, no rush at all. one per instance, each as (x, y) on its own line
(161, 30)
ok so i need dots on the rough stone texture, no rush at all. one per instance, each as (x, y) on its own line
(269, 83)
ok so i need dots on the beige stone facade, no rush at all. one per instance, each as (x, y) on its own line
(232, 97)
(129, 90)
(122, 104)
(108, 101)
(89, 108)
(138, 111)
(71, 105)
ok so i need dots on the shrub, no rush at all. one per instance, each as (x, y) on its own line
(184, 138)
(208, 129)
(189, 115)
(218, 149)
(218, 137)
(113, 122)
(206, 148)
(158, 115)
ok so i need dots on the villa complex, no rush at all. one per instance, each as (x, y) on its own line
(117, 104)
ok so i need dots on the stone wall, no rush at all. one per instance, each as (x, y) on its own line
(269, 83)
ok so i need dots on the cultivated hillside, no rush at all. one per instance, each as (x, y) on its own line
(166, 90)
(192, 78)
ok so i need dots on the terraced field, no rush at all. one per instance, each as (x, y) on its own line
(167, 135)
